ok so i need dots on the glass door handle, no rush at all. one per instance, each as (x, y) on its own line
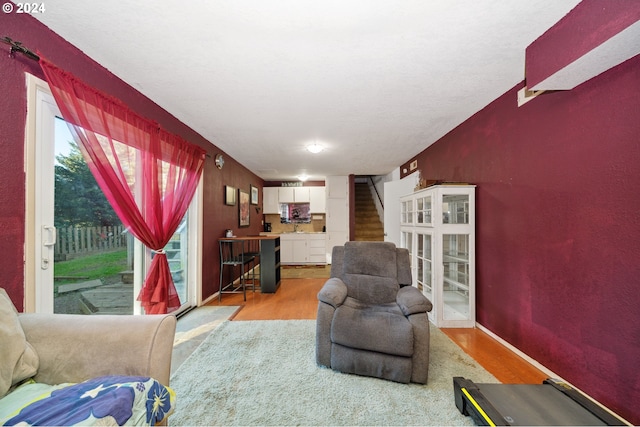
(48, 242)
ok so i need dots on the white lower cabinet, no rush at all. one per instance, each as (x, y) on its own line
(438, 228)
(303, 248)
(316, 246)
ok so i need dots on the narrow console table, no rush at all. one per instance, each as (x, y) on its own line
(269, 252)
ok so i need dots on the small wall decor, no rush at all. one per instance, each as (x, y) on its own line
(254, 195)
(219, 161)
(243, 208)
(229, 195)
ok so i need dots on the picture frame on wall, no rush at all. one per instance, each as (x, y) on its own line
(229, 195)
(243, 208)
(254, 195)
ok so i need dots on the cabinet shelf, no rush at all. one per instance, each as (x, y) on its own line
(455, 283)
(455, 257)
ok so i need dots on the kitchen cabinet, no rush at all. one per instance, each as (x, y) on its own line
(437, 226)
(285, 195)
(293, 194)
(270, 200)
(337, 217)
(273, 196)
(316, 249)
(337, 187)
(317, 200)
(301, 194)
(303, 248)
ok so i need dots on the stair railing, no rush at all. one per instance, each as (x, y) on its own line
(376, 190)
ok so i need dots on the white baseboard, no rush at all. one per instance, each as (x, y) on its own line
(544, 369)
(526, 357)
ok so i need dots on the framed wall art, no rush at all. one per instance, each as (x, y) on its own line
(229, 195)
(254, 195)
(243, 208)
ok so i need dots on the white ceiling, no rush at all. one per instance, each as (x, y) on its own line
(374, 81)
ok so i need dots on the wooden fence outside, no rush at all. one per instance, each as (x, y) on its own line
(84, 240)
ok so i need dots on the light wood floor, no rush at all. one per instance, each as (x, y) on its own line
(297, 299)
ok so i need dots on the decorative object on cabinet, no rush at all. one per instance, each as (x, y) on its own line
(254, 195)
(437, 225)
(243, 208)
(424, 183)
(370, 320)
(229, 195)
(219, 161)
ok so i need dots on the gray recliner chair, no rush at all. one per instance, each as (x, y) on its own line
(371, 321)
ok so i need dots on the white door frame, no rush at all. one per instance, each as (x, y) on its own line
(40, 126)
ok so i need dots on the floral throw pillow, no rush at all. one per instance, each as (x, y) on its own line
(109, 400)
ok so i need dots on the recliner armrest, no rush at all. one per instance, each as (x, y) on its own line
(334, 292)
(412, 301)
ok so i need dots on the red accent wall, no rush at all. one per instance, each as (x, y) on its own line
(558, 227)
(587, 26)
(36, 36)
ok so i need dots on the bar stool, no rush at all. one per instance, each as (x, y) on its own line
(252, 249)
(232, 252)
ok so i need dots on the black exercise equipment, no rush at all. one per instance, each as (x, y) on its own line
(550, 403)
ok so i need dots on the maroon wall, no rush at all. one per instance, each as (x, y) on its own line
(558, 227)
(587, 26)
(36, 36)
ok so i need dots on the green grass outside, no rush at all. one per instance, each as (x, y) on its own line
(105, 266)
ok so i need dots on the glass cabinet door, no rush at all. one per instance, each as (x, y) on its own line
(423, 210)
(406, 212)
(424, 260)
(455, 209)
(406, 241)
(455, 283)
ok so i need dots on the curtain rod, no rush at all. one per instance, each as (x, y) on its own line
(17, 47)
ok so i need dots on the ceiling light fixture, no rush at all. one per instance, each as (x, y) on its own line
(315, 148)
(303, 177)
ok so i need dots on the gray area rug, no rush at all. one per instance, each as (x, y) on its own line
(264, 373)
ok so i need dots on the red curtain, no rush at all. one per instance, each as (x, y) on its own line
(148, 175)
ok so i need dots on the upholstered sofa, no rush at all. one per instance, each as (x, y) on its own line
(126, 359)
(371, 321)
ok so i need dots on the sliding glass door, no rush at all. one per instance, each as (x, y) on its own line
(80, 259)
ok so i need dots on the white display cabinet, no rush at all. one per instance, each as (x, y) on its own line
(437, 226)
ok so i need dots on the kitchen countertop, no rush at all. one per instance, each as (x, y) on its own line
(265, 233)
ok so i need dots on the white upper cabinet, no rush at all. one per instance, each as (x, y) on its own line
(294, 194)
(286, 195)
(301, 194)
(317, 199)
(337, 187)
(273, 196)
(270, 200)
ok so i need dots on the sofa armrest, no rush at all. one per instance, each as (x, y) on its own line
(74, 348)
(334, 292)
(412, 301)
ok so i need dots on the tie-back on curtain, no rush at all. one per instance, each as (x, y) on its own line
(148, 175)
